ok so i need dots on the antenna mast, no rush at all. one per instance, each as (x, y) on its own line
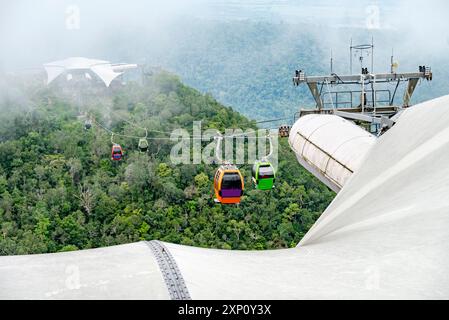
(362, 51)
(332, 62)
(350, 58)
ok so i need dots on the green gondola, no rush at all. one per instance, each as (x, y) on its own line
(263, 175)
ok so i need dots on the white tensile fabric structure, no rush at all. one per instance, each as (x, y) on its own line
(385, 236)
(330, 147)
(106, 71)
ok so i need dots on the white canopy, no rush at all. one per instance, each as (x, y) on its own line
(106, 71)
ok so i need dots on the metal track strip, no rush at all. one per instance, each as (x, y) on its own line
(170, 271)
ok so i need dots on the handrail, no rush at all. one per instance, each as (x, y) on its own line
(351, 93)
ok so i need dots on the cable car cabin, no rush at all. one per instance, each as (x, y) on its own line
(87, 124)
(143, 145)
(284, 131)
(117, 152)
(263, 175)
(228, 185)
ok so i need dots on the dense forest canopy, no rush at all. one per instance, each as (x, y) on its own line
(59, 189)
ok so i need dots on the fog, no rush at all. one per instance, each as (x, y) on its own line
(34, 32)
(150, 31)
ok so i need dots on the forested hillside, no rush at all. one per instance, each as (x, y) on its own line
(246, 64)
(60, 191)
(250, 64)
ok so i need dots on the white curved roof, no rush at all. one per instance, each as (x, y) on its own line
(385, 236)
(77, 63)
(103, 69)
(331, 147)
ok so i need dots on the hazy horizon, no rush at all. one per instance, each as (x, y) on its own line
(213, 45)
(35, 32)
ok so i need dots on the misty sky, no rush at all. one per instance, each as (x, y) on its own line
(33, 32)
(192, 39)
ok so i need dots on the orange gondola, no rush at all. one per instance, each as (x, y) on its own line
(228, 185)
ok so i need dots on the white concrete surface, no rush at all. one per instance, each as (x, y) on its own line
(120, 272)
(385, 236)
